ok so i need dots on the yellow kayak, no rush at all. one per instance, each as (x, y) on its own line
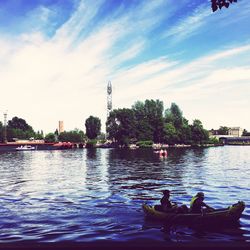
(229, 214)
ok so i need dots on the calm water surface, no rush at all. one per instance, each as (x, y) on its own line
(89, 195)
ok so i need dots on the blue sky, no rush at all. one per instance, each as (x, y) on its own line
(56, 58)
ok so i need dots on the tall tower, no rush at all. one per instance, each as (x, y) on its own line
(5, 126)
(61, 127)
(109, 98)
(109, 102)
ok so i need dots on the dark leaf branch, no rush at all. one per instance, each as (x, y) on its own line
(218, 4)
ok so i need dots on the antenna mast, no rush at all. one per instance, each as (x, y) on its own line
(109, 98)
(109, 102)
(5, 126)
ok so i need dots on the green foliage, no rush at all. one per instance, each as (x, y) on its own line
(199, 134)
(1, 132)
(18, 123)
(185, 132)
(91, 143)
(149, 120)
(223, 130)
(213, 140)
(39, 135)
(93, 127)
(121, 125)
(145, 144)
(71, 136)
(145, 122)
(177, 129)
(154, 114)
(18, 128)
(50, 137)
(101, 136)
(170, 132)
(143, 129)
(245, 133)
(174, 115)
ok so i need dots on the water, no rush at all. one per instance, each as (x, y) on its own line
(86, 195)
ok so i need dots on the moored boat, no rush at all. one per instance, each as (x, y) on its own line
(230, 214)
(25, 148)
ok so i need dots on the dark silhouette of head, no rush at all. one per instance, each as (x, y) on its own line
(166, 192)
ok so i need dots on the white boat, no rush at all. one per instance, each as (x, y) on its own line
(25, 148)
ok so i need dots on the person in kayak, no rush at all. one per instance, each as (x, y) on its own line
(166, 204)
(197, 204)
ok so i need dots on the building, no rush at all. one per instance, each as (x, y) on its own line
(232, 132)
(61, 127)
(235, 131)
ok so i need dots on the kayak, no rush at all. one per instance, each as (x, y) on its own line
(230, 214)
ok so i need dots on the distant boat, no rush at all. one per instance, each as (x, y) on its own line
(25, 148)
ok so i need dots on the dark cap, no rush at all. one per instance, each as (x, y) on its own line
(200, 194)
(166, 191)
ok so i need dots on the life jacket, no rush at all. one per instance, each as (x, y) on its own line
(192, 201)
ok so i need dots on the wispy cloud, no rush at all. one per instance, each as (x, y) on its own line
(64, 75)
(201, 81)
(188, 25)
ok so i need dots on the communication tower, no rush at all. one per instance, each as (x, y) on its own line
(5, 126)
(109, 98)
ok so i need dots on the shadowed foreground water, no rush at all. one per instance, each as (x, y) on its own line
(90, 195)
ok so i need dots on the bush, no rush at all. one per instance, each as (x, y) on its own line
(213, 140)
(91, 143)
(145, 144)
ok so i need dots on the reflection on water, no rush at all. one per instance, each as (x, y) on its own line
(94, 194)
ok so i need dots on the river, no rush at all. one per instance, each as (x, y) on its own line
(86, 195)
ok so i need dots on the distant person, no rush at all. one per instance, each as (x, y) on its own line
(163, 153)
(197, 204)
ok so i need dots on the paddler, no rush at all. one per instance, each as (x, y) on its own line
(197, 204)
(166, 204)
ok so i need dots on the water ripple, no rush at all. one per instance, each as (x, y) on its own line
(90, 195)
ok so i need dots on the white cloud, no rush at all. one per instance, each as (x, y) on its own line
(65, 77)
(202, 81)
(189, 25)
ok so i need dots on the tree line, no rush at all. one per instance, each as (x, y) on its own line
(145, 122)
(148, 121)
(18, 129)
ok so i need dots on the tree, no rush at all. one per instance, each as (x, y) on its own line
(121, 126)
(170, 134)
(199, 134)
(143, 129)
(174, 116)
(50, 137)
(1, 132)
(19, 123)
(154, 114)
(223, 130)
(39, 135)
(245, 133)
(215, 4)
(149, 120)
(71, 136)
(18, 128)
(93, 127)
(185, 132)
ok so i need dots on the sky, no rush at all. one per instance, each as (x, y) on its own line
(56, 58)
